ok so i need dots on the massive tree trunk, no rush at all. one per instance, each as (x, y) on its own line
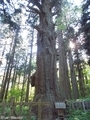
(46, 84)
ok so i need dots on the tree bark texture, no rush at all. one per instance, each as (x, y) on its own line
(80, 74)
(63, 69)
(75, 92)
(46, 84)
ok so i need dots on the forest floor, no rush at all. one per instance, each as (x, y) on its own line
(70, 114)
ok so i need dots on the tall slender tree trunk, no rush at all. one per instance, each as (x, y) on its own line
(24, 80)
(13, 78)
(4, 47)
(11, 63)
(30, 60)
(8, 82)
(75, 92)
(63, 69)
(81, 82)
(4, 83)
(18, 81)
(80, 74)
(6, 73)
(9, 67)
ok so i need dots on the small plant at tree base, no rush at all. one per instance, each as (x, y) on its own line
(33, 117)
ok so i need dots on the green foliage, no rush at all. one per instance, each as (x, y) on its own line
(60, 24)
(78, 115)
(24, 111)
(6, 19)
(6, 111)
(32, 91)
(15, 92)
(33, 117)
(87, 98)
(70, 16)
(17, 111)
(87, 91)
(85, 21)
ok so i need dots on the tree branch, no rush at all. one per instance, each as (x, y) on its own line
(57, 5)
(1, 9)
(54, 13)
(34, 9)
(36, 3)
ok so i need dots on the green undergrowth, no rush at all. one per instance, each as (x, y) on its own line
(86, 98)
(24, 113)
(72, 114)
(78, 115)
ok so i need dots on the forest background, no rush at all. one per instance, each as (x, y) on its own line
(19, 61)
